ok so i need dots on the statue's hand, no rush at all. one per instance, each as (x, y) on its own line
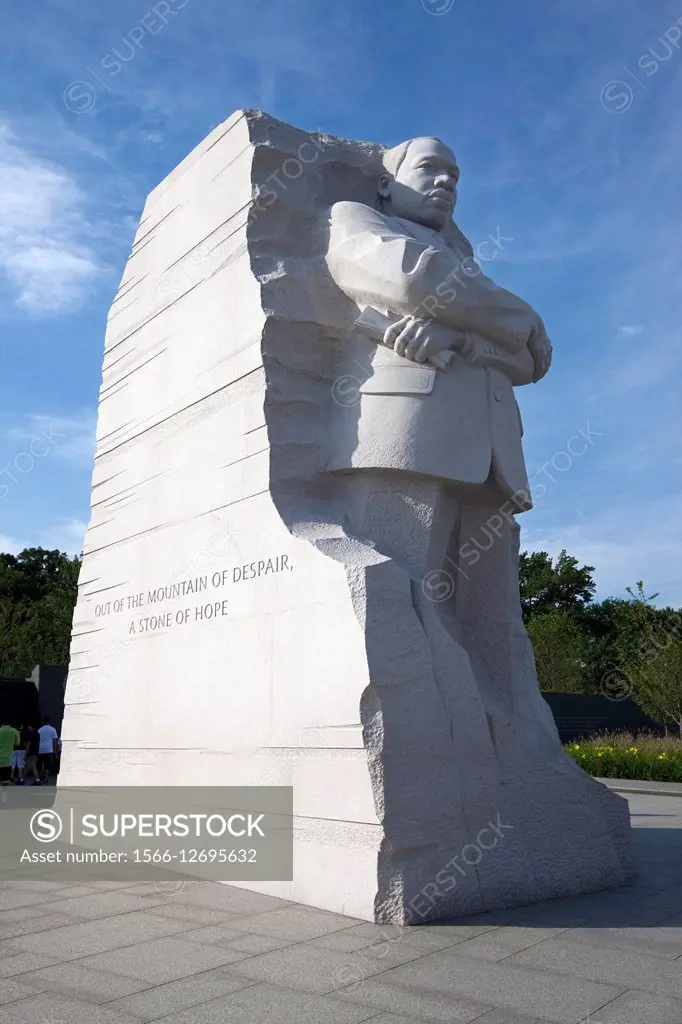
(422, 340)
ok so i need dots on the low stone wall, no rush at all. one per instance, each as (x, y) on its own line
(578, 715)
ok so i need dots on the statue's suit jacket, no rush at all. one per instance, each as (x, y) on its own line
(461, 425)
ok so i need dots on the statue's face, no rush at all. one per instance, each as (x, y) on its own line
(425, 187)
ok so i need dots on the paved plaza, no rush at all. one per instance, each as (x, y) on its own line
(115, 953)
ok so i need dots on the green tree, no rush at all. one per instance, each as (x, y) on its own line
(619, 631)
(38, 590)
(612, 639)
(560, 648)
(657, 681)
(652, 657)
(546, 585)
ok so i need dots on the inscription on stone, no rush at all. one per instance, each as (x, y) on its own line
(202, 611)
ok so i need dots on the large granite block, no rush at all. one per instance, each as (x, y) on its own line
(301, 564)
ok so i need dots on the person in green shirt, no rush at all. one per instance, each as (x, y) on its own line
(9, 739)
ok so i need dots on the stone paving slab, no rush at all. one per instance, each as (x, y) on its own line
(308, 969)
(162, 960)
(11, 990)
(162, 1000)
(390, 1018)
(104, 904)
(12, 898)
(501, 943)
(373, 939)
(269, 1004)
(639, 1008)
(52, 1009)
(664, 942)
(26, 920)
(216, 897)
(196, 915)
(626, 968)
(543, 993)
(23, 964)
(425, 1004)
(296, 923)
(234, 938)
(79, 982)
(202, 953)
(96, 936)
(503, 1017)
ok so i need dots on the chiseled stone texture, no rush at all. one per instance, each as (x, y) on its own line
(228, 625)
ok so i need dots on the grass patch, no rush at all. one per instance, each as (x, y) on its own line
(624, 756)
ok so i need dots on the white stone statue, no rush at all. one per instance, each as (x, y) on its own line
(303, 545)
(431, 463)
(459, 427)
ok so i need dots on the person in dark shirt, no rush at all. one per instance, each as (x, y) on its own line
(32, 748)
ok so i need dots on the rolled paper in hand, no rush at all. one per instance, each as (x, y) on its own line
(374, 325)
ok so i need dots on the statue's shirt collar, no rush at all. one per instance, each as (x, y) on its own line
(451, 241)
(434, 239)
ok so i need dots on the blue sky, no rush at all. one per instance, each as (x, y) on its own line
(580, 176)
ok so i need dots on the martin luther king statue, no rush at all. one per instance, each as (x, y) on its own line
(437, 407)
(427, 448)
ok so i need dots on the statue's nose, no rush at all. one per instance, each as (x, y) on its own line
(445, 181)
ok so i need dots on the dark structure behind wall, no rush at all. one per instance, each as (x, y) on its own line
(19, 701)
(50, 682)
(578, 715)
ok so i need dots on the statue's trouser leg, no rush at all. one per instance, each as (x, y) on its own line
(431, 757)
(485, 617)
(550, 797)
(477, 801)
(406, 517)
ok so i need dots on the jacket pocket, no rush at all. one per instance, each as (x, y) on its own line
(400, 380)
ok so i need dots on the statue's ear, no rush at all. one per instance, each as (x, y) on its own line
(384, 186)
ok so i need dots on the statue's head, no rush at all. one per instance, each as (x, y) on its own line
(419, 182)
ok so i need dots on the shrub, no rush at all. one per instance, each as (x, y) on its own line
(624, 756)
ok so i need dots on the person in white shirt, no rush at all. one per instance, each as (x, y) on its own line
(47, 750)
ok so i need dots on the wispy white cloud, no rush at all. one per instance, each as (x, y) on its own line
(71, 438)
(45, 253)
(636, 540)
(9, 546)
(654, 360)
(67, 535)
(630, 330)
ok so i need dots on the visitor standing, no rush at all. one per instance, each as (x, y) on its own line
(9, 739)
(19, 756)
(32, 755)
(47, 749)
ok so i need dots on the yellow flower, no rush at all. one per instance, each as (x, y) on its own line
(577, 746)
(599, 753)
